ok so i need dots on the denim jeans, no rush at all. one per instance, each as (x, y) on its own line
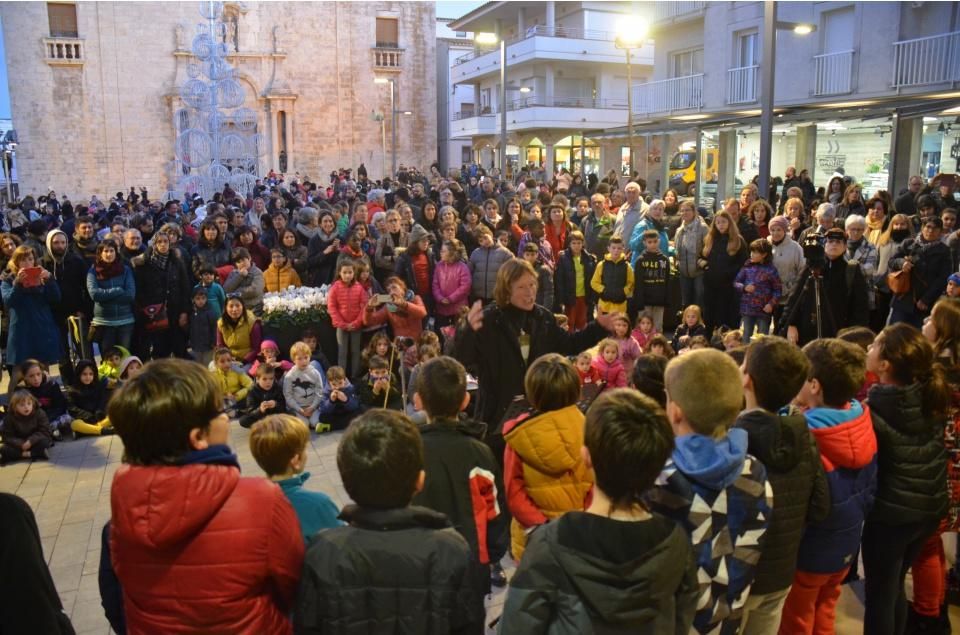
(111, 336)
(348, 351)
(691, 291)
(760, 323)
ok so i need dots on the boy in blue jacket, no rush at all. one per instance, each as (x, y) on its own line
(843, 430)
(716, 491)
(340, 402)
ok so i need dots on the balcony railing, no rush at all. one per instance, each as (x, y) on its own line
(927, 60)
(669, 95)
(62, 50)
(833, 74)
(468, 114)
(387, 59)
(663, 11)
(556, 102)
(543, 31)
(742, 85)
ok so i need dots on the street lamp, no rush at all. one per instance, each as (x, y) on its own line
(489, 39)
(631, 34)
(767, 75)
(393, 124)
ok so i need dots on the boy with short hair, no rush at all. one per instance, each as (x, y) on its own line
(317, 359)
(774, 371)
(264, 399)
(279, 446)
(463, 477)
(394, 567)
(234, 384)
(202, 328)
(303, 387)
(716, 491)
(339, 403)
(109, 368)
(613, 279)
(651, 289)
(379, 388)
(535, 236)
(615, 567)
(216, 296)
(531, 253)
(843, 430)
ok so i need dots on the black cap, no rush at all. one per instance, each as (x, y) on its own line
(835, 234)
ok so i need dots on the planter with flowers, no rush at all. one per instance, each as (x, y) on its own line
(287, 313)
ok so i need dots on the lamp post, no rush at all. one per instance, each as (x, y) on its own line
(767, 76)
(630, 35)
(393, 124)
(489, 39)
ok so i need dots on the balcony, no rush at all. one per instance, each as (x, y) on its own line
(527, 113)
(742, 85)
(926, 60)
(65, 51)
(672, 12)
(833, 73)
(388, 59)
(669, 95)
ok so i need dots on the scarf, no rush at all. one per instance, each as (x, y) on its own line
(107, 270)
(159, 260)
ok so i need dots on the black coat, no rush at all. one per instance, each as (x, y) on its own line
(911, 458)
(257, 395)
(388, 571)
(156, 286)
(589, 574)
(215, 255)
(566, 281)
(844, 302)
(932, 265)
(29, 602)
(70, 272)
(493, 353)
(801, 494)
(722, 268)
(321, 267)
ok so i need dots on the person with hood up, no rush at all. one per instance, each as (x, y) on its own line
(70, 272)
(616, 567)
(179, 503)
(717, 492)
(87, 397)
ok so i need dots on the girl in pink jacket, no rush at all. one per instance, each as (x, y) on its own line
(345, 304)
(451, 283)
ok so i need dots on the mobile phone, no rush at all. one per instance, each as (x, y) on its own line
(384, 298)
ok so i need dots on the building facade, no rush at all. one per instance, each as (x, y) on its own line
(452, 98)
(565, 81)
(95, 85)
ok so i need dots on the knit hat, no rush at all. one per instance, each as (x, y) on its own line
(418, 233)
(954, 278)
(269, 345)
(779, 221)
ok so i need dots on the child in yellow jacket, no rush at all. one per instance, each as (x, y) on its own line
(613, 279)
(280, 274)
(234, 384)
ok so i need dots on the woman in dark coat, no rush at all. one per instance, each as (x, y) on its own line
(162, 279)
(724, 252)
(322, 252)
(211, 250)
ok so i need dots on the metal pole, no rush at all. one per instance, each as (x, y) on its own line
(393, 132)
(698, 174)
(767, 67)
(6, 175)
(629, 118)
(503, 108)
(383, 144)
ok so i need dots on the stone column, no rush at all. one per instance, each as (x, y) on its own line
(551, 16)
(666, 152)
(727, 168)
(548, 84)
(521, 21)
(806, 154)
(548, 160)
(905, 151)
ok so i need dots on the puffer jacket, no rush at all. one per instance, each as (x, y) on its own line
(544, 474)
(789, 262)
(786, 448)
(346, 304)
(912, 459)
(277, 279)
(112, 298)
(689, 245)
(451, 281)
(848, 451)
(169, 522)
(586, 574)
(484, 265)
(566, 279)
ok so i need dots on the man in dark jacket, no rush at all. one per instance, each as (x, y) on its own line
(843, 302)
(394, 567)
(774, 371)
(70, 272)
(928, 261)
(906, 203)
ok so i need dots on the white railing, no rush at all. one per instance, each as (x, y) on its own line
(387, 58)
(671, 10)
(63, 50)
(927, 60)
(570, 32)
(668, 95)
(833, 73)
(742, 85)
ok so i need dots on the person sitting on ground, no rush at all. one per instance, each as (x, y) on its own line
(278, 444)
(26, 431)
(264, 399)
(616, 567)
(88, 401)
(394, 567)
(178, 503)
(339, 403)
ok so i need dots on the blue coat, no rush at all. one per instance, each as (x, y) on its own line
(112, 298)
(33, 333)
(636, 238)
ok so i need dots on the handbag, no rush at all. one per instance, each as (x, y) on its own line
(156, 317)
(898, 282)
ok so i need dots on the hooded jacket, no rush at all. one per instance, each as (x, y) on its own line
(113, 297)
(170, 521)
(912, 459)
(88, 402)
(613, 375)
(34, 428)
(545, 475)
(276, 279)
(787, 450)
(566, 278)
(451, 281)
(249, 287)
(721, 496)
(789, 262)
(848, 451)
(613, 281)
(69, 271)
(51, 398)
(586, 575)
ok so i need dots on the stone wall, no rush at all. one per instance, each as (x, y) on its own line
(106, 124)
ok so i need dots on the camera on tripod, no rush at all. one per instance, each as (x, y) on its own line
(813, 252)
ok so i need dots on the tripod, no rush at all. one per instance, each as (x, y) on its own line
(811, 283)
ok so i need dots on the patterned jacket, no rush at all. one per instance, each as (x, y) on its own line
(767, 288)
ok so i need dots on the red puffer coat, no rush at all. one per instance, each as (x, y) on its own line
(346, 304)
(197, 549)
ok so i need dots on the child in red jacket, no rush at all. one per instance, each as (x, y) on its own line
(608, 364)
(345, 304)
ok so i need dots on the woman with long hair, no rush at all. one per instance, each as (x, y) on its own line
(835, 190)
(899, 229)
(556, 229)
(910, 404)
(878, 217)
(112, 287)
(852, 202)
(724, 252)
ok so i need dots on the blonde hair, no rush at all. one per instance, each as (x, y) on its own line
(276, 439)
(585, 355)
(887, 236)
(605, 343)
(705, 373)
(336, 373)
(19, 254)
(20, 396)
(695, 309)
(734, 242)
(300, 348)
(510, 271)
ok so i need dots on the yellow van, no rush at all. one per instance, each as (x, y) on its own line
(683, 168)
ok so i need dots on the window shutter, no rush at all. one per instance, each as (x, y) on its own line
(388, 33)
(63, 19)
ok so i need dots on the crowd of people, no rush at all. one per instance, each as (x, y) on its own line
(520, 369)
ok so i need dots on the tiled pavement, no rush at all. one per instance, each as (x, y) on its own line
(70, 496)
